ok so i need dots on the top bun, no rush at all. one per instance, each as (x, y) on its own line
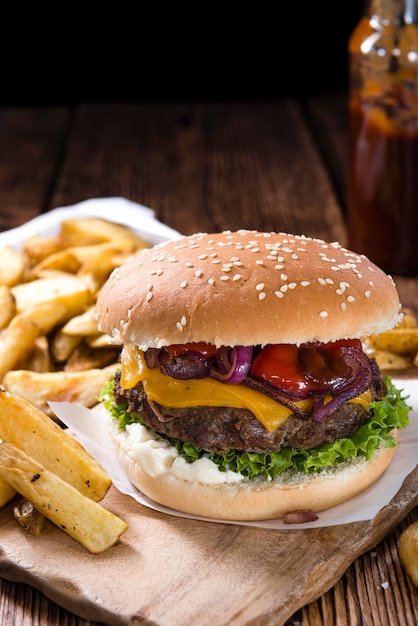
(246, 288)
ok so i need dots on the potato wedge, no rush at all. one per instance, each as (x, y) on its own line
(83, 324)
(95, 230)
(63, 345)
(86, 521)
(408, 551)
(12, 266)
(25, 426)
(398, 340)
(409, 319)
(60, 288)
(7, 492)
(16, 342)
(390, 361)
(40, 387)
(7, 306)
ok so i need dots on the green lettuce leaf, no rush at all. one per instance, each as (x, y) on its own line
(387, 414)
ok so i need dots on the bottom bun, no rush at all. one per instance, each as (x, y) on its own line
(250, 500)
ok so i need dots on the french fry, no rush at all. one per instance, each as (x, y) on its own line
(63, 345)
(85, 358)
(398, 340)
(7, 306)
(39, 360)
(12, 266)
(7, 492)
(63, 260)
(16, 342)
(96, 230)
(60, 288)
(38, 248)
(409, 319)
(86, 521)
(390, 361)
(83, 324)
(408, 551)
(25, 426)
(40, 387)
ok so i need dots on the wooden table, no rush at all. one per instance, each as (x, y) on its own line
(274, 165)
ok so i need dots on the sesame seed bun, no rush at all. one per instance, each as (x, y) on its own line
(246, 288)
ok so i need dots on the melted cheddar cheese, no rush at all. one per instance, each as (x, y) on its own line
(172, 392)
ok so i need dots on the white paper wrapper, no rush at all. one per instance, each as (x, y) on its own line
(138, 217)
(91, 426)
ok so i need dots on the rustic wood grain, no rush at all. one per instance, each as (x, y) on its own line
(31, 143)
(170, 570)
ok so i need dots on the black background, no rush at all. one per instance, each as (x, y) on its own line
(176, 53)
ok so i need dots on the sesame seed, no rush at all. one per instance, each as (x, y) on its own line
(188, 264)
(236, 277)
(183, 321)
(260, 286)
(367, 294)
(284, 288)
(305, 283)
(351, 298)
(323, 314)
(278, 267)
(259, 262)
(278, 294)
(201, 257)
(179, 326)
(322, 281)
(224, 278)
(198, 273)
(183, 284)
(211, 281)
(292, 285)
(172, 259)
(148, 296)
(261, 295)
(343, 306)
(283, 276)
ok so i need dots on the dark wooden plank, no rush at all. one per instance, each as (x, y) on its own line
(211, 167)
(31, 141)
(327, 117)
(374, 590)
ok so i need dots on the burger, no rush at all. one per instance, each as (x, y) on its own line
(244, 391)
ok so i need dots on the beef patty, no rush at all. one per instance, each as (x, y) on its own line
(218, 429)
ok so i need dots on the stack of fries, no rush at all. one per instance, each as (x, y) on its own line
(51, 350)
(396, 349)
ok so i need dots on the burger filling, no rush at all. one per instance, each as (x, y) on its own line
(261, 410)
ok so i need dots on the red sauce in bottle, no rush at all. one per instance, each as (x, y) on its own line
(383, 185)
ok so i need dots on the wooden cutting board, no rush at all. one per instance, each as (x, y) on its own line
(172, 571)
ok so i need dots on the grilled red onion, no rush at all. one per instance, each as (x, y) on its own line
(232, 364)
(360, 380)
(299, 517)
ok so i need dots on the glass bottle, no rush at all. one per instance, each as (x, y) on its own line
(383, 136)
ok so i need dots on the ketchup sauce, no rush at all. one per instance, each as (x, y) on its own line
(383, 185)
